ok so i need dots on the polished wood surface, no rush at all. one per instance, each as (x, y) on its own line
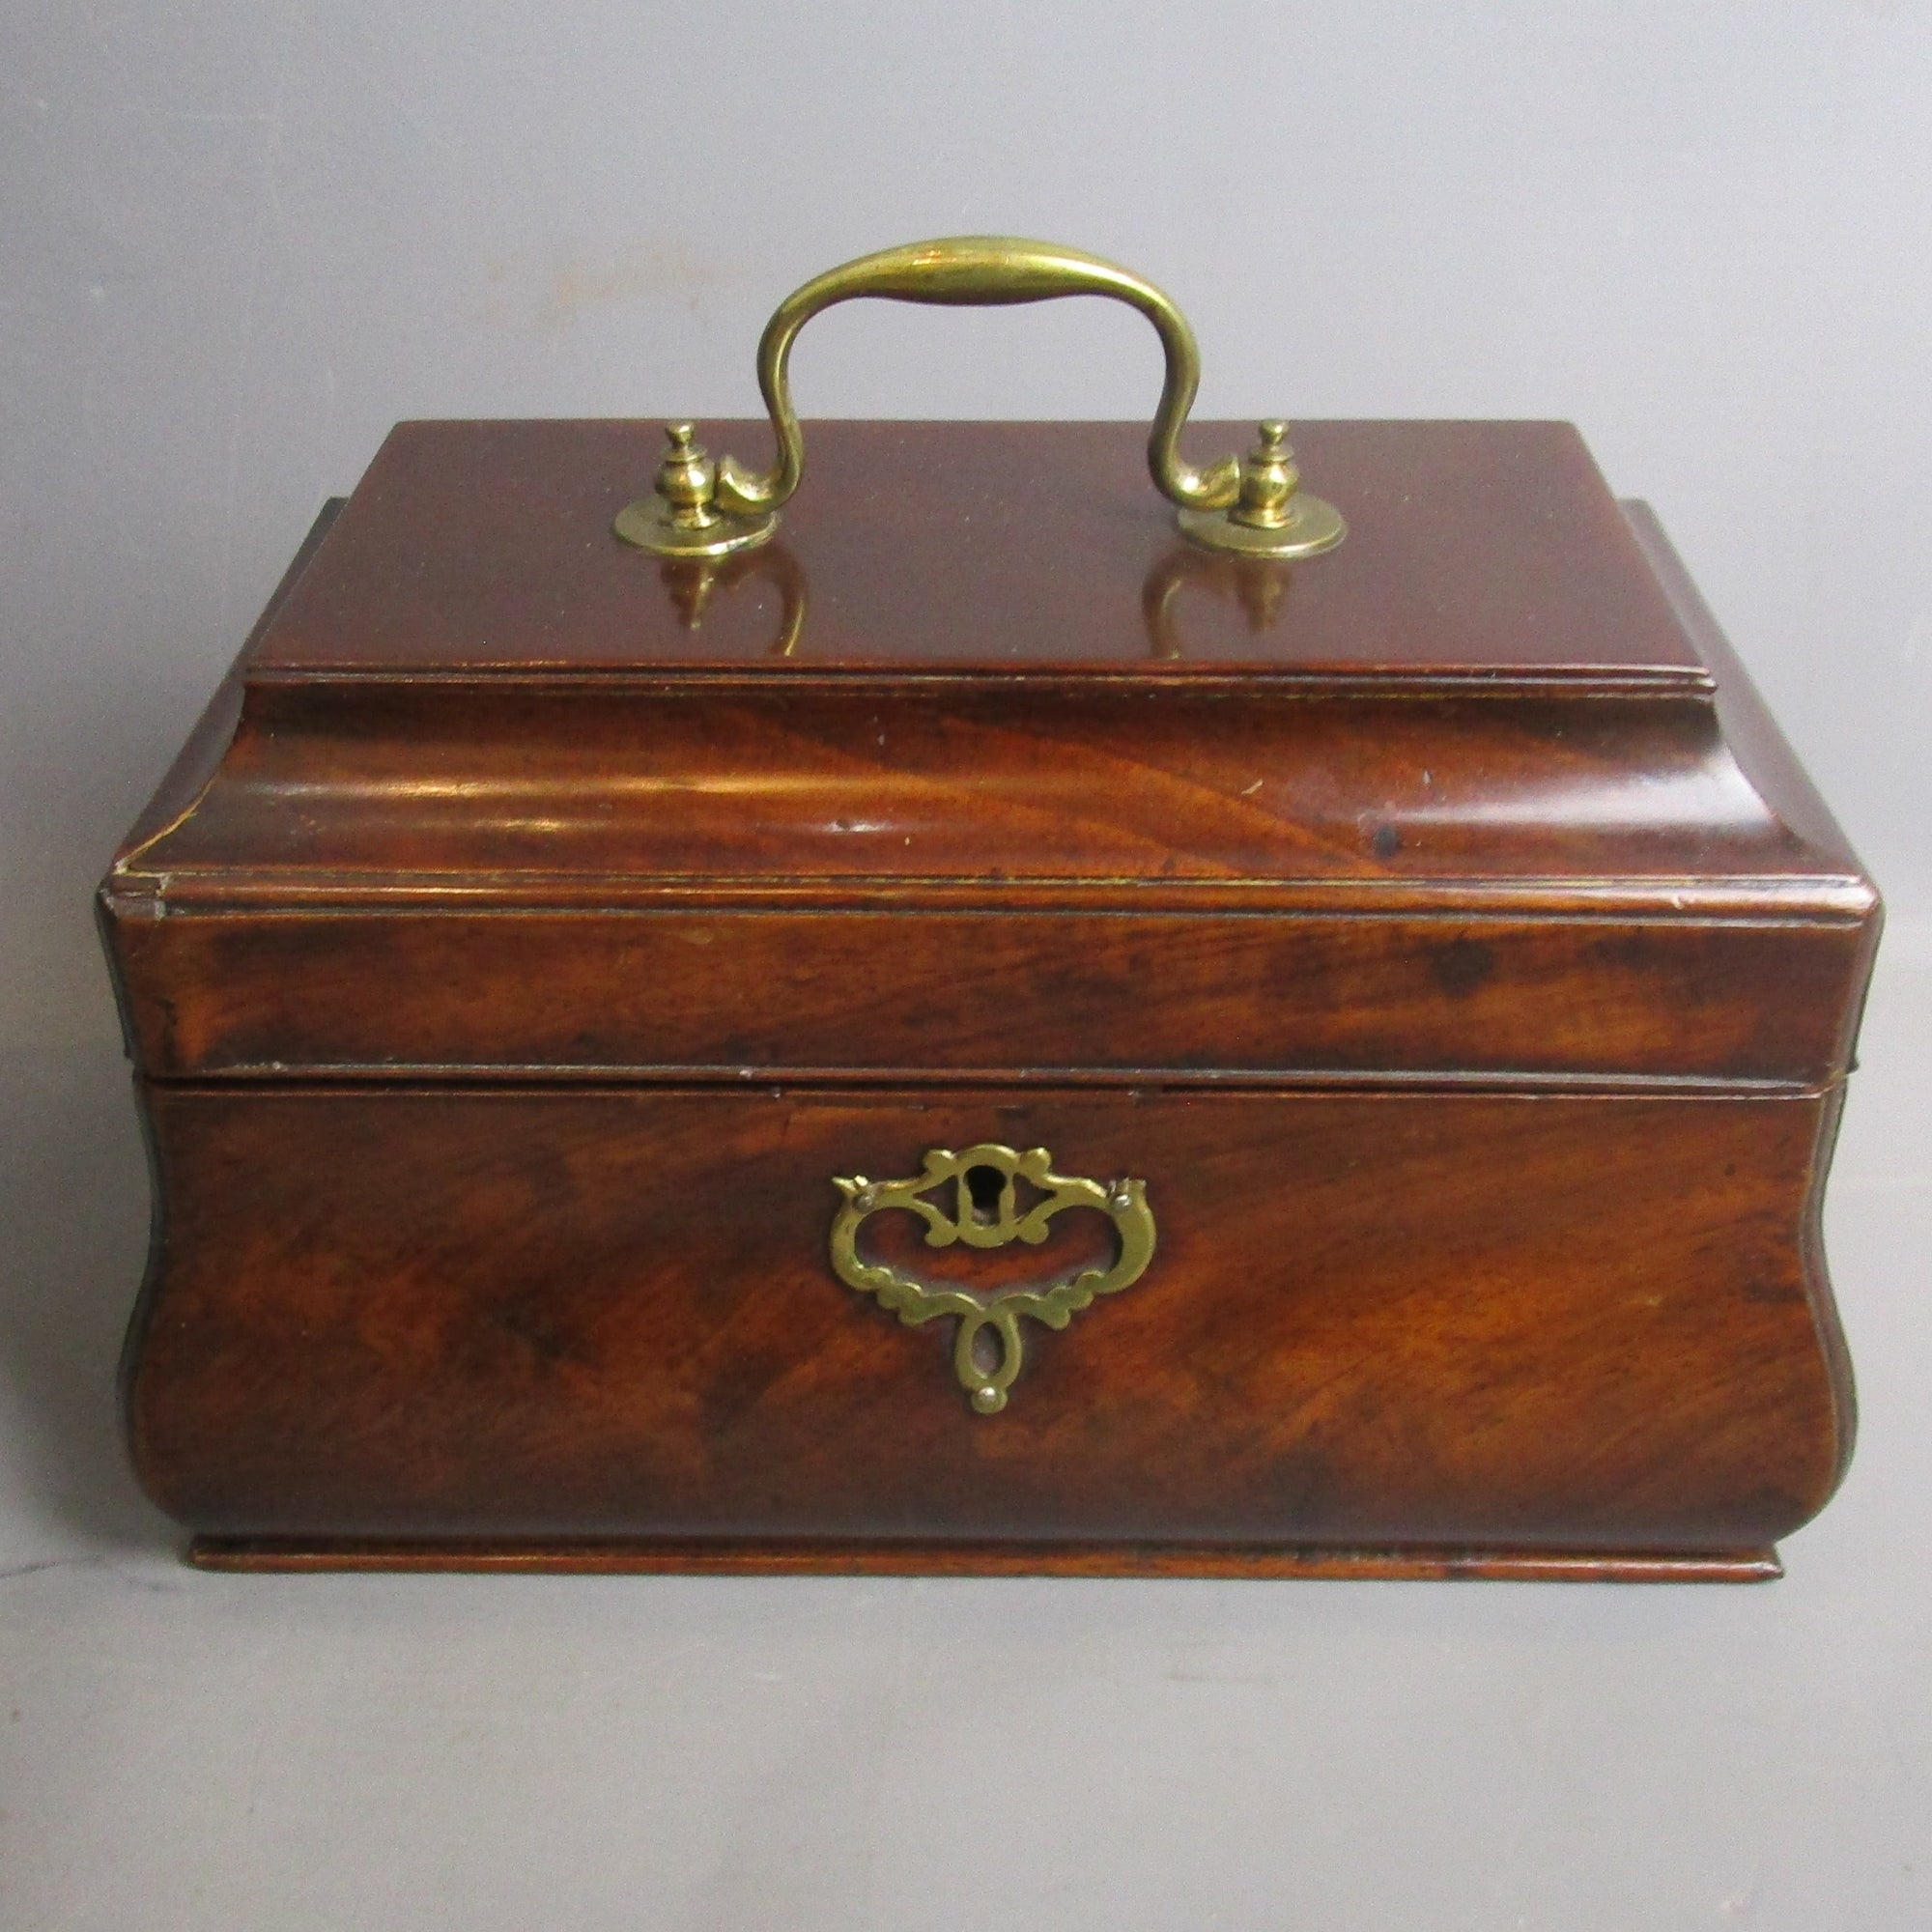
(698, 878)
(991, 783)
(510, 963)
(1578, 1322)
(755, 994)
(1487, 548)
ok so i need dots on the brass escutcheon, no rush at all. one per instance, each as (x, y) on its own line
(914, 1301)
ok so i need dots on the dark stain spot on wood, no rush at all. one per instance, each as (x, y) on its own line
(1463, 965)
(1765, 1293)
(1385, 841)
(536, 1330)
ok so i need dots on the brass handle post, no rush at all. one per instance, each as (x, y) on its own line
(702, 509)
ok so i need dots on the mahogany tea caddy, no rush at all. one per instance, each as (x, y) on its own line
(910, 1015)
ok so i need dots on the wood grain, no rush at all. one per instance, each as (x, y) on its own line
(1582, 1323)
(1441, 929)
(756, 995)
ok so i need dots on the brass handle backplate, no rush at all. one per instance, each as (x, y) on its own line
(989, 1218)
(1253, 505)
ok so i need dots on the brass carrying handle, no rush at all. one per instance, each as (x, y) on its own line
(706, 509)
(980, 271)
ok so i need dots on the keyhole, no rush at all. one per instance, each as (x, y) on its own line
(984, 1187)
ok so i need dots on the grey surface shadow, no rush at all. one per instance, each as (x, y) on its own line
(73, 1242)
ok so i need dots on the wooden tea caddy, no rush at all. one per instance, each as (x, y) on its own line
(974, 1031)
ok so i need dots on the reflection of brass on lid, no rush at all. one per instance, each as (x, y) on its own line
(692, 581)
(1271, 517)
(1255, 584)
(1259, 592)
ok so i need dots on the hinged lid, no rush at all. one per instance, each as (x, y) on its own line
(975, 768)
(1479, 552)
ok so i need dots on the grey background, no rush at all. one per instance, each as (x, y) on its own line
(241, 238)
